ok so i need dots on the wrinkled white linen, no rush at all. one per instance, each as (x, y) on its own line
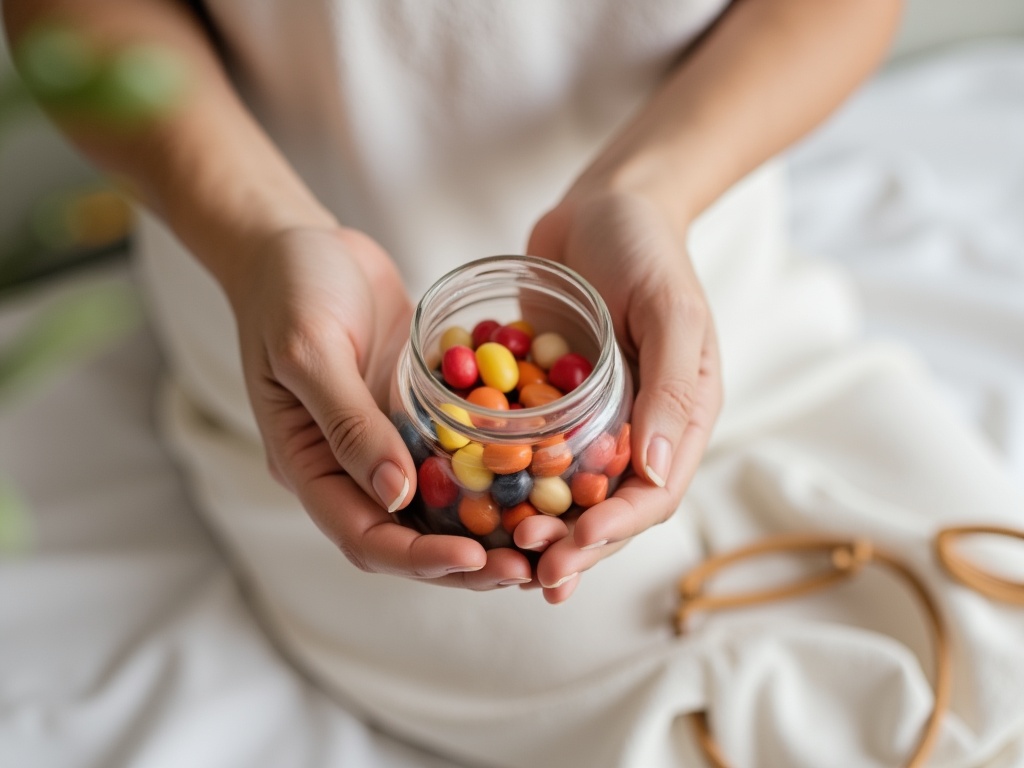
(124, 640)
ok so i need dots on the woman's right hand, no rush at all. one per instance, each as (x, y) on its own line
(322, 316)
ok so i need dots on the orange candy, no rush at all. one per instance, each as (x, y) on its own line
(507, 459)
(513, 516)
(588, 488)
(523, 326)
(620, 461)
(488, 397)
(535, 395)
(551, 458)
(530, 374)
(479, 514)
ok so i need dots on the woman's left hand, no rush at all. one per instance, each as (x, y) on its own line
(627, 246)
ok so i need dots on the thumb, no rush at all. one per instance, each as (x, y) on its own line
(363, 440)
(670, 339)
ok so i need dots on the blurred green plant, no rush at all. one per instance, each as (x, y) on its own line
(118, 90)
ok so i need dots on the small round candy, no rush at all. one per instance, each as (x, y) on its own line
(510, 518)
(506, 459)
(414, 441)
(509, 490)
(551, 457)
(469, 469)
(569, 371)
(435, 484)
(551, 495)
(536, 395)
(488, 397)
(595, 457)
(449, 439)
(479, 514)
(482, 331)
(497, 366)
(517, 342)
(455, 337)
(458, 366)
(522, 325)
(588, 488)
(620, 461)
(547, 348)
(530, 374)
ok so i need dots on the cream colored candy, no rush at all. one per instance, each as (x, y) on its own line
(547, 348)
(469, 469)
(551, 495)
(449, 439)
(455, 337)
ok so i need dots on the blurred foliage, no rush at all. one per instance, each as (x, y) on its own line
(117, 90)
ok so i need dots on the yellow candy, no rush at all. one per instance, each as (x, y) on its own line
(449, 439)
(469, 469)
(455, 337)
(551, 495)
(497, 366)
(547, 348)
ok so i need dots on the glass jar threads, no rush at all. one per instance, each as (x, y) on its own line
(512, 397)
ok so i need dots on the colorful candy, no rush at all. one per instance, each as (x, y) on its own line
(620, 461)
(505, 459)
(488, 397)
(435, 483)
(482, 331)
(497, 365)
(509, 490)
(547, 348)
(536, 395)
(449, 439)
(455, 337)
(459, 368)
(551, 457)
(551, 495)
(522, 325)
(517, 342)
(569, 371)
(529, 374)
(588, 488)
(511, 518)
(598, 454)
(469, 469)
(479, 514)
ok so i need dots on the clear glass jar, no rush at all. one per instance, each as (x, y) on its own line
(577, 446)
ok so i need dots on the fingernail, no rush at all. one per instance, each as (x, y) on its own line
(390, 484)
(562, 581)
(510, 582)
(537, 544)
(595, 545)
(464, 568)
(659, 458)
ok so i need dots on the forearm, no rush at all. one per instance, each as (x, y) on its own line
(206, 166)
(764, 75)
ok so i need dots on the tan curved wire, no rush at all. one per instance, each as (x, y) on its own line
(847, 558)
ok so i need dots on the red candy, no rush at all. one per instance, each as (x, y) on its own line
(482, 331)
(598, 454)
(569, 371)
(513, 339)
(459, 368)
(436, 484)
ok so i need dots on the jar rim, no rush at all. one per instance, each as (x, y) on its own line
(573, 402)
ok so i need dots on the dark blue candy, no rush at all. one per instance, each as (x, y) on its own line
(509, 490)
(414, 441)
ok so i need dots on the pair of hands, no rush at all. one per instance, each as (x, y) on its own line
(322, 316)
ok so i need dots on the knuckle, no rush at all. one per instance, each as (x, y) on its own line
(348, 433)
(676, 398)
(354, 557)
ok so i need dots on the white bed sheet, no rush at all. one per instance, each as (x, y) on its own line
(124, 639)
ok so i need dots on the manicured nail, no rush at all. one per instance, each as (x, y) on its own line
(510, 582)
(390, 484)
(659, 458)
(537, 544)
(562, 580)
(595, 545)
(464, 568)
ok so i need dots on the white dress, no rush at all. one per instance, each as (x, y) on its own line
(444, 129)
